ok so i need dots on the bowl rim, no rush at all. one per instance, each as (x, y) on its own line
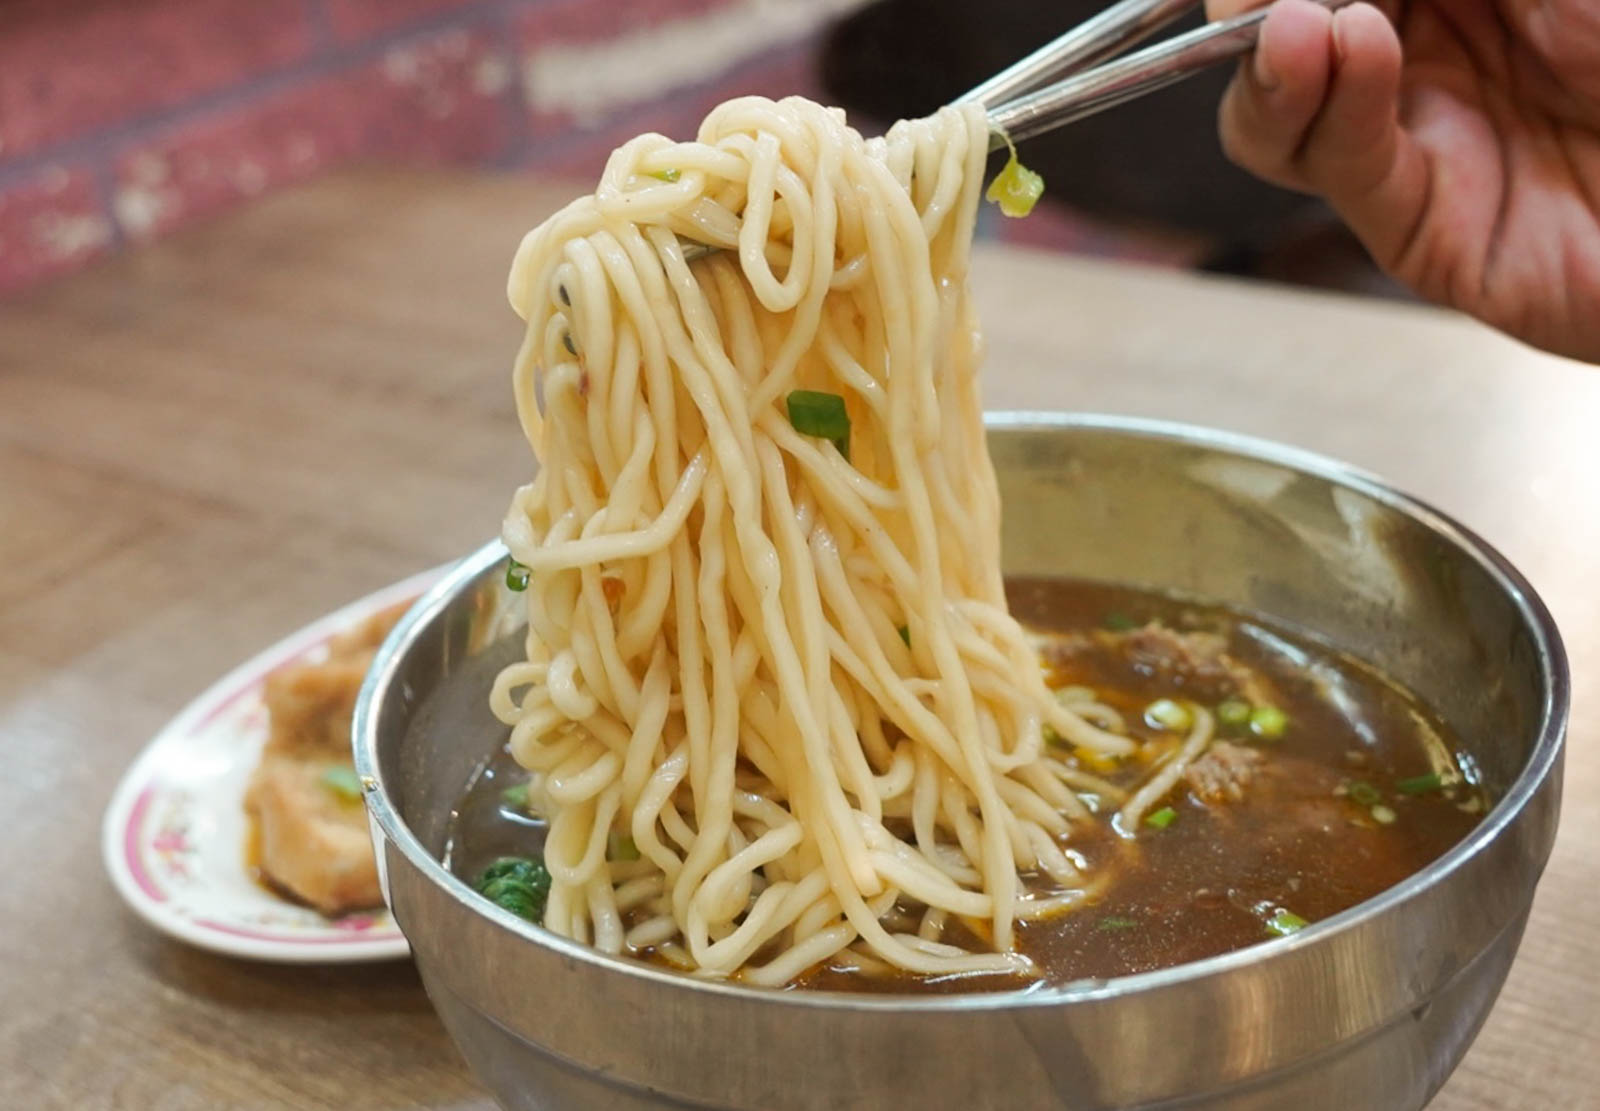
(1542, 760)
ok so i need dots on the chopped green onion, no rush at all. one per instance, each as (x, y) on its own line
(1420, 785)
(1384, 815)
(814, 413)
(1117, 922)
(1119, 622)
(343, 781)
(1285, 922)
(516, 576)
(1363, 794)
(1016, 189)
(515, 798)
(622, 847)
(1268, 722)
(669, 175)
(1162, 818)
(518, 884)
(511, 867)
(905, 634)
(1165, 713)
(1234, 713)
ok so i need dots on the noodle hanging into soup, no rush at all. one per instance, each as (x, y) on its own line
(772, 690)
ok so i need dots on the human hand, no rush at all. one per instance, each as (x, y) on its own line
(1460, 142)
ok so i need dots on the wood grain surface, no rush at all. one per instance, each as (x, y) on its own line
(208, 443)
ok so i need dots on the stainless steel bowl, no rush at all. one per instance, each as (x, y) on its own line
(1369, 1009)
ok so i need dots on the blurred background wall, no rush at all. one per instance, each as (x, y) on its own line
(121, 120)
(124, 120)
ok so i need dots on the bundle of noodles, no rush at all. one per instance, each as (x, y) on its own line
(774, 706)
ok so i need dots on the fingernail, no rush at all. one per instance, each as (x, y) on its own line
(1266, 77)
(1338, 37)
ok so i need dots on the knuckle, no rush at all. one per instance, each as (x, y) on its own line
(1265, 160)
(1249, 150)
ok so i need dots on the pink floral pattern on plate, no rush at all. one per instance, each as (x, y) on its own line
(170, 844)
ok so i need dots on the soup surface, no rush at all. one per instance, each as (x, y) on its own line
(1326, 784)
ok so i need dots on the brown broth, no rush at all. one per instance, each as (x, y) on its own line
(486, 826)
(1207, 883)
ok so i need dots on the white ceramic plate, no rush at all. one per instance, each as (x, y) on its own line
(174, 833)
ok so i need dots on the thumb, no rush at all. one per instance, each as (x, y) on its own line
(1317, 109)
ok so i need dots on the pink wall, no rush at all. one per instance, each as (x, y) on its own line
(121, 120)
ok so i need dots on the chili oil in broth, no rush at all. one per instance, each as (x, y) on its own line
(1361, 787)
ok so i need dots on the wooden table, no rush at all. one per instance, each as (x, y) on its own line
(207, 443)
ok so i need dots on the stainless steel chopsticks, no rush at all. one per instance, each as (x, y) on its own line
(1118, 28)
(1115, 82)
(1019, 109)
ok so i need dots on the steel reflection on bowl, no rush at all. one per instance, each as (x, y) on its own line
(1369, 1009)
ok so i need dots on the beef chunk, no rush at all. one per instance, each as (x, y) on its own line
(1223, 773)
